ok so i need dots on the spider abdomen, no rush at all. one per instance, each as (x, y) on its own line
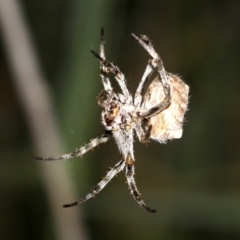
(168, 123)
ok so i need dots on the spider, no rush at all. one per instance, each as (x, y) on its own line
(155, 112)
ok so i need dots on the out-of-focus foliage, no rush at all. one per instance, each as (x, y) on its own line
(194, 182)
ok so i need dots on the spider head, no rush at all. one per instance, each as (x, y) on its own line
(110, 106)
(111, 112)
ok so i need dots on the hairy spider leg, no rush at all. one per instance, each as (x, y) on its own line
(155, 62)
(159, 107)
(139, 131)
(105, 80)
(80, 151)
(119, 76)
(146, 43)
(133, 188)
(110, 175)
(146, 75)
(142, 85)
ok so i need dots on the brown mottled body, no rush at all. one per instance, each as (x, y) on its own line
(168, 123)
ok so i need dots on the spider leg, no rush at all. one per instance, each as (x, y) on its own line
(140, 132)
(142, 85)
(116, 169)
(156, 61)
(109, 67)
(133, 187)
(158, 107)
(102, 42)
(105, 80)
(80, 151)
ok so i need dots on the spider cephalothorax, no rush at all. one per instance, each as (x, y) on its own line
(155, 112)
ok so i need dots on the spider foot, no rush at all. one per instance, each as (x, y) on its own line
(150, 209)
(73, 204)
(133, 188)
(142, 38)
(137, 197)
(146, 43)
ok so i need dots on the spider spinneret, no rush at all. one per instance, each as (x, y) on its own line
(156, 112)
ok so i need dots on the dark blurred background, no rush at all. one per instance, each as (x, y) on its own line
(194, 182)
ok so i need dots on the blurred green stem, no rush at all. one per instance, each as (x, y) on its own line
(34, 95)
